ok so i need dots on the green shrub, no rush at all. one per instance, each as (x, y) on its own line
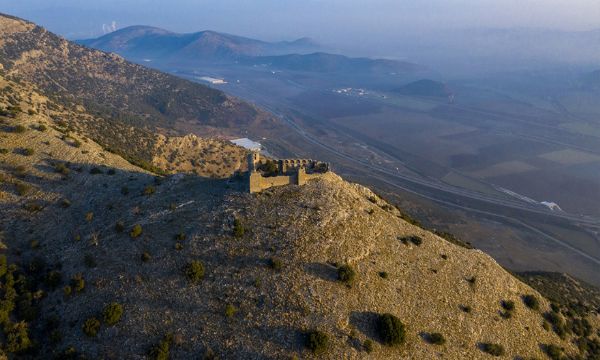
(317, 341)
(531, 302)
(19, 129)
(554, 352)
(17, 337)
(95, 171)
(28, 151)
(368, 346)
(120, 226)
(91, 327)
(181, 236)
(89, 216)
(65, 203)
(230, 310)
(146, 256)
(3, 151)
(33, 206)
(436, 338)
(492, 349)
(53, 279)
(275, 264)
(3, 265)
(194, 271)
(23, 188)
(346, 274)
(238, 228)
(412, 239)
(78, 283)
(67, 290)
(383, 274)
(136, 231)
(391, 330)
(149, 190)
(112, 313)
(62, 168)
(42, 127)
(162, 349)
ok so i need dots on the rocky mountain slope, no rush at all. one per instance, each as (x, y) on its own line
(87, 229)
(114, 96)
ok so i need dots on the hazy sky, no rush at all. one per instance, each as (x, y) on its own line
(328, 20)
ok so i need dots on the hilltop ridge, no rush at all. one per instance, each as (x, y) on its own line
(106, 257)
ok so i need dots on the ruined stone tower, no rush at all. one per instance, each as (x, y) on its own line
(290, 172)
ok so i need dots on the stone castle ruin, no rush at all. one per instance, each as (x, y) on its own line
(264, 173)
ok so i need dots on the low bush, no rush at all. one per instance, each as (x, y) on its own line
(435, 338)
(383, 275)
(275, 264)
(91, 327)
(78, 283)
(62, 168)
(554, 352)
(28, 151)
(23, 188)
(492, 349)
(368, 346)
(146, 256)
(238, 228)
(136, 231)
(89, 216)
(317, 341)
(53, 279)
(391, 330)
(230, 310)
(162, 349)
(148, 190)
(194, 271)
(112, 313)
(119, 226)
(17, 337)
(19, 129)
(414, 239)
(346, 274)
(95, 171)
(531, 302)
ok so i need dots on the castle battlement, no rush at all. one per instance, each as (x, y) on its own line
(264, 174)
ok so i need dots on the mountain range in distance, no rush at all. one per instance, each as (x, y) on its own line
(145, 43)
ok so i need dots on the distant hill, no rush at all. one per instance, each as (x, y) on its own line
(324, 62)
(425, 88)
(145, 42)
(120, 95)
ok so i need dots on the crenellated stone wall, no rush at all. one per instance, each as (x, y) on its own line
(289, 172)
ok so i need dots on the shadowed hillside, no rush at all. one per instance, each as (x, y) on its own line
(100, 258)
